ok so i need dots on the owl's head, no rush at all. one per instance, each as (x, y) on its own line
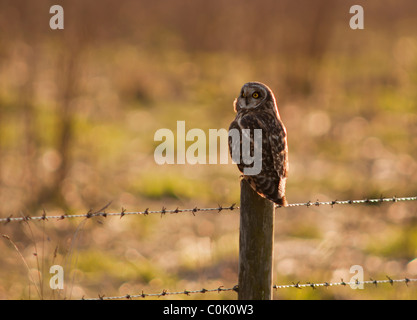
(253, 95)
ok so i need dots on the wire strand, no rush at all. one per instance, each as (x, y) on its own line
(362, 201)
(219, 208)
(276, 287)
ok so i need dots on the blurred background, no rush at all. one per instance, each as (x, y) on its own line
(79, 108)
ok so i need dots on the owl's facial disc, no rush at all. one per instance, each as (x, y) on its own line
(250, 97)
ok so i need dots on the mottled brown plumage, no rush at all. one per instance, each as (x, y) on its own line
(256, 109)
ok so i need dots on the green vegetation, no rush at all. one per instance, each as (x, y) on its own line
(78, 112)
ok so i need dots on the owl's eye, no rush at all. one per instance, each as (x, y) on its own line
(255, 95)
(243, 95)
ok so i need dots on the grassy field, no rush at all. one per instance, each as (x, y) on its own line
(79, 108)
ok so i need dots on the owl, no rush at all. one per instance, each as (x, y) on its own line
(257, 109)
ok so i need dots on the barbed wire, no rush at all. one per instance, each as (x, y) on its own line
(362, 201)
(122, 213)
(276, 287)
(343, 283)
(219, 208)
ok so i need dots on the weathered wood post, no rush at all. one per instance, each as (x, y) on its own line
(256, 245)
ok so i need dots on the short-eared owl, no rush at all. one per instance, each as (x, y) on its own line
(257, 109)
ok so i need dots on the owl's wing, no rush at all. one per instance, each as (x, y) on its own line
(279, 148)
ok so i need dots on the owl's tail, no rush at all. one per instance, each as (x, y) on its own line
(268, 189)
(281, 201)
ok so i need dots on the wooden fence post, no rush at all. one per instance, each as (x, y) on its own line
(256, 245)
